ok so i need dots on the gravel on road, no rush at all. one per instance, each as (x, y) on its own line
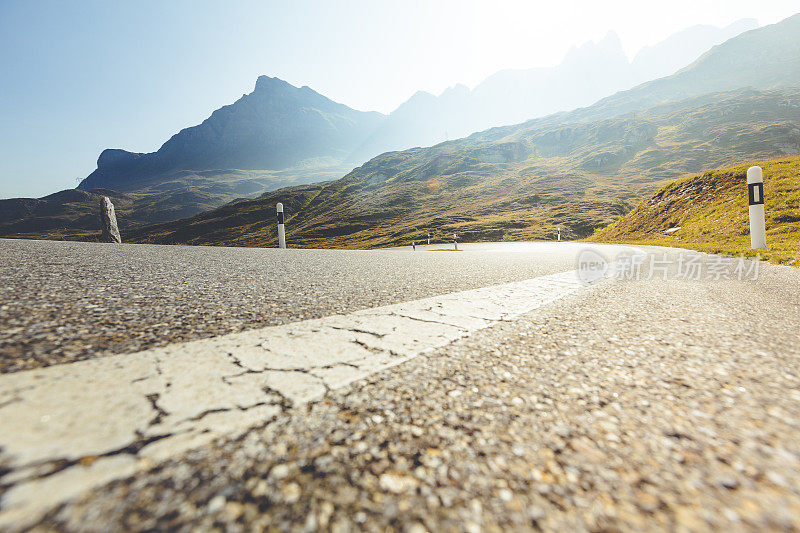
(67, 301)
(657, 405)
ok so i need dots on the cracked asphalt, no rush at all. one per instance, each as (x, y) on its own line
(152, 405)
(639, 405)
(68, 301)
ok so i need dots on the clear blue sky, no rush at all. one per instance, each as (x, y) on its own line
(80, 76)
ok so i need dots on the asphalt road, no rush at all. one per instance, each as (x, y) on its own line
(637, 404)
(67, 301)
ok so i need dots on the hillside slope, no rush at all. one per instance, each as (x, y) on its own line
(67, 215)
(522, 182)
(73, 213)
(711, 212)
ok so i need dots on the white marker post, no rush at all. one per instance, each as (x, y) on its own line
(429, 238)
(455, 241)
(559, 234)
(413, 245)
(755, 193)
(281, 228)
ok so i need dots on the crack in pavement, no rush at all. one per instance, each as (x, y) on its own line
(62, 463)
(429, 321)
(358, 330)
(160, 413)
(226, 410)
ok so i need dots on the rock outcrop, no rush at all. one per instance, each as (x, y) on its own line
(108, 219)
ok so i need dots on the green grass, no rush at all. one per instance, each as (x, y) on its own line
(712, 211)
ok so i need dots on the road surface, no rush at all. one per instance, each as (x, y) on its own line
(541, 404)
(68, 301)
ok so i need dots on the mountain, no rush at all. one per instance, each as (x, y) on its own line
(764, 58)
(277, 127)
(709, 212)
(574, 153)
(683, 48)
(513, 183)
(282, 127)
(577, 171)
(587, 74)
(276, 136)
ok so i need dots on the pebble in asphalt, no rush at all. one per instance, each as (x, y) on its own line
(67, 301)
(658, 405)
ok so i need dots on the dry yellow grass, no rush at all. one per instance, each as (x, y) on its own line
(712, 212)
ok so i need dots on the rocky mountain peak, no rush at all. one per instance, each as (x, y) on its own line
(111, 157)
(266, 83)
(609, 46)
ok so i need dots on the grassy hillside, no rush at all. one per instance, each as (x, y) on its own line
(65, 215)
(73, 214)
(518, 182)
(234, 224)
(711, 211)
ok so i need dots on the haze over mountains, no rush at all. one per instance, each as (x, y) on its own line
(576, 171)
(586, 74)
(281, 127)
(282, 135)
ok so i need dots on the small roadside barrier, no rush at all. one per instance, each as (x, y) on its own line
(281, 226)
(755, 193)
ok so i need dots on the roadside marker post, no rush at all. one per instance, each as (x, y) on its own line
(755, 193)
(455, 242)
(281, 228)
(429, 239)
(559, 234)
(413, 245)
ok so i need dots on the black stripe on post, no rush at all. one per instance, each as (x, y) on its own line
(280, 217)
(755, 193)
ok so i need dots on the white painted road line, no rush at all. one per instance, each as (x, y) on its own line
(67, 428)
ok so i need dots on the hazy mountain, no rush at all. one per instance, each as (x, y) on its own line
(763, 58)
(276, 127)
(307, 137)
(683, 48)
(587, 74)
(577, 171)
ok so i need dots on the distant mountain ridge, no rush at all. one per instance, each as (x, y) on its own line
(587, 73)
(157, 187)
(761, 59)
(279, 126)
(683, 48)
(275, 127)
(576, 171)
